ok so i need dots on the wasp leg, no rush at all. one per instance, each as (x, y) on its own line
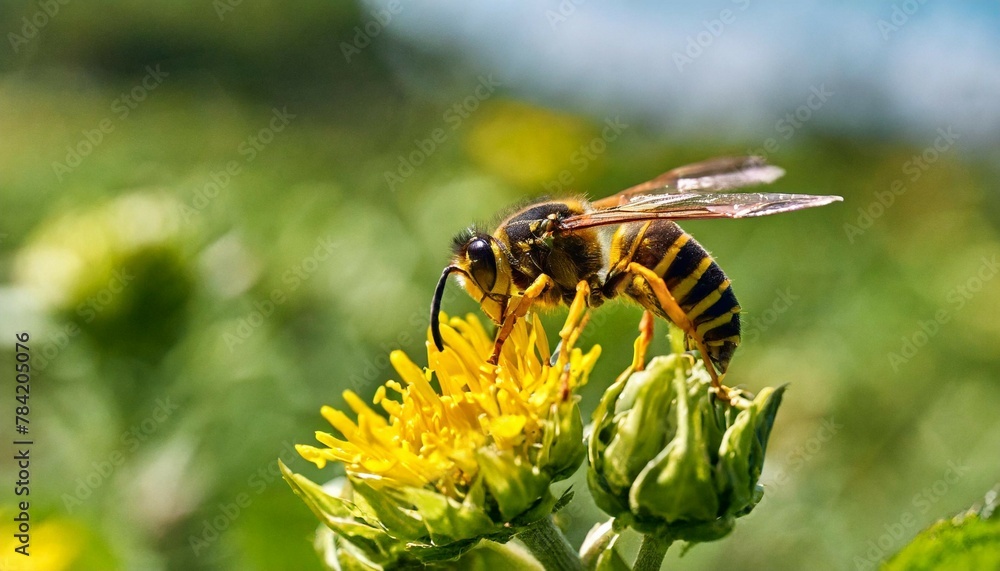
(677, 315)
(577, 317)
(643, 341)
(570, 333)
(536, 289)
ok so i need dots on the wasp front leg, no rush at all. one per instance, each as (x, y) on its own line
(533, 292)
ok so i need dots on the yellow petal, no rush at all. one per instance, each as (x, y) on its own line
(507, 426)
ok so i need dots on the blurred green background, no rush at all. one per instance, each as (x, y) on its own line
(217, 216)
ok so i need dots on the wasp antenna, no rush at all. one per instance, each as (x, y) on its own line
(436, 306)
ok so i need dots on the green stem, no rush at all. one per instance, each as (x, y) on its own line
(544, 540)
(651, 553)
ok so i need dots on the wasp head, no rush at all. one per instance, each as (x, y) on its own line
(483, 267)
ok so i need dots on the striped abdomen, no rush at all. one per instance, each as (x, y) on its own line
(693, 278)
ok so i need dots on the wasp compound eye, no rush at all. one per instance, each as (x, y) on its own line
(482, 264)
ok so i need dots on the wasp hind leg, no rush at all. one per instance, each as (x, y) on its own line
(673, 310)
(536, 289)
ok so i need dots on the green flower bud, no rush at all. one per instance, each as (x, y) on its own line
(669, 458)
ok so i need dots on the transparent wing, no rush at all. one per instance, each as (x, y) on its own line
(714, 175)
(690, 205)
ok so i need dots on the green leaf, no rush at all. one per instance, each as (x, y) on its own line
(563, 500)
(447, 520)
(515, 485)
(563, 449)
(766, 403)
(398, 521)
(316, 498)
(338, 554)
(602, 431)
(489, 556)
(342, 517)
(967, 541)
(768, 400)
(611, 503)
(734, 481)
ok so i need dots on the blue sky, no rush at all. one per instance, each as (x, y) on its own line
(902, 69)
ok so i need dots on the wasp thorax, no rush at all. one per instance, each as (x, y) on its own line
(482, 263)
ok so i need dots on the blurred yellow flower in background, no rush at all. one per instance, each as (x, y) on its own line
(55, 545)
(528, 145)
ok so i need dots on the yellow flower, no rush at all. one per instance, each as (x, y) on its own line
(463, 449)
(431, 435)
